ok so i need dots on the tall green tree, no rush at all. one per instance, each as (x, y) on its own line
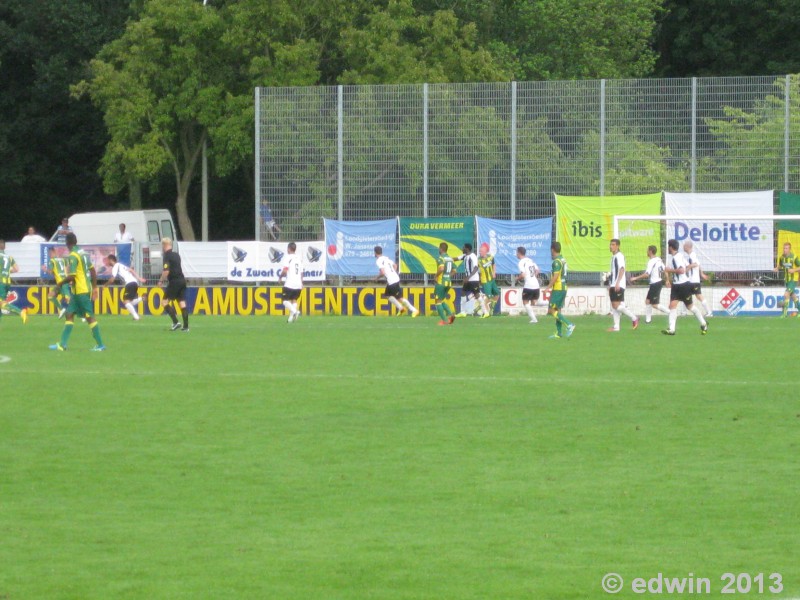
(182, 74)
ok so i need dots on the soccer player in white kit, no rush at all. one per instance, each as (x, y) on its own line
(471, 289)
(388, 269)
(695, 272)
(655, 271)
(130, 279)
(616, 287)
(681, 290)
(293, 272)
(528, 272)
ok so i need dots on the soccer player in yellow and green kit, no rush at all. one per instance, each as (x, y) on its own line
(8, 266)
(790, 265)
(444, 280)
(488, 274)
(57, 266)
(83, 280)
(558, 292)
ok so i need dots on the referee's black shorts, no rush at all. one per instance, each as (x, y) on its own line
(175, 290)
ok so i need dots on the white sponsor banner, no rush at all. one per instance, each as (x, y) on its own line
(724, 300)
(727, 244)
(263, 261)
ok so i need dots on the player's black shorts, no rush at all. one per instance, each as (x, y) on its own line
(654, 293)
(530, 295)
(681, 292)
(175, 290)
(392, 290)
(290, 294)
(616, 296)
(696, 289)
(131, 291)
(472, 287)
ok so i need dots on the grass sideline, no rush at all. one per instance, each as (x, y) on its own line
(390, 458)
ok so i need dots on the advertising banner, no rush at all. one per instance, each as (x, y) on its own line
(585, 226)
(96, 252)
(420, 239)
(727, 243)
(263, 261)
(350, 245)
(504, 237)
(789, 231)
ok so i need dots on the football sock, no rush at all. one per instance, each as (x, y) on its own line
(615, 317)
(785, 307)
(531, 314)
(129, 307)
(626, 311)
(648, 312)
(440, 310)
(705, 306)
(447, 310)
(673, 318)
(186, 319)
(136, 300)
(66, 333)
(408, 304)
(696, 312)
(661, 309)
(395, 303)
(558, 327)
(294, 307)
(170, 310)
(95, 328)
(288, 306)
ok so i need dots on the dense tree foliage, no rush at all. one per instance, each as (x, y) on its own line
(106, 103)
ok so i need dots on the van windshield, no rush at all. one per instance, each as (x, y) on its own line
(152, 231)
(166, 228)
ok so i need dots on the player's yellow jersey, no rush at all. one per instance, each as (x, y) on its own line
(486, 268)
(560, 267)
(80, 265)
(58, 266)
(789, 262)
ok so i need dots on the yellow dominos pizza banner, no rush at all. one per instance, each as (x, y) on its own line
(585, 226)
(420, 239)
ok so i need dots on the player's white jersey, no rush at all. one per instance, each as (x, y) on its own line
(123, 272)
(694, 274)
(389, 271)
(676, 261)
(529, 268)
(655, 268)
(294, 275)
(617, 264)
(470, 262)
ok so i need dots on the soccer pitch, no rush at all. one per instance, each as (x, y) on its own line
(390, 458)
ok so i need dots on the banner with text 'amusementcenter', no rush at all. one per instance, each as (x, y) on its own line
(585, 226)
(420, 239)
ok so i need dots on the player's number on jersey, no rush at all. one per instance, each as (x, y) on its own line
(532, 271)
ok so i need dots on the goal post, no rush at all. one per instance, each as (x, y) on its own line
(731, 248)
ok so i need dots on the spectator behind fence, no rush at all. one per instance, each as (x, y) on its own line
(123, 236)
(60, 236)
(33, 237)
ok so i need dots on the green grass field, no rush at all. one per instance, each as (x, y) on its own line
(390, 458)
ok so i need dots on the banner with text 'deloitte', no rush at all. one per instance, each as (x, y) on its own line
(585, 226)
(420, 239)
(730, 241)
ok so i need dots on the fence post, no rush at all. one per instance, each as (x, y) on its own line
(513, 150)
(258, 163)
(340, 151)
(602, 137)
(694, 136)
(425, 157)
(787, 113)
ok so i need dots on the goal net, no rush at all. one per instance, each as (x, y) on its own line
(736, 249)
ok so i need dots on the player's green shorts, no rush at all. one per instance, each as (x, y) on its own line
(81, 305)
(440, 291)
(791, 287)
(490, 288)
(557, 298)
(64, 290)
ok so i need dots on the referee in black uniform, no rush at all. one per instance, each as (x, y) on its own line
(175, 291)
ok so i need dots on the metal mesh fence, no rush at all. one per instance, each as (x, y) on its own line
(502, 149)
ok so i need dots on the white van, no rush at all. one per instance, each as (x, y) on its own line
(146, 226)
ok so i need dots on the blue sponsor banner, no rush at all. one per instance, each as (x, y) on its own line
(350, 245)
(96, 252)
(504, 237)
